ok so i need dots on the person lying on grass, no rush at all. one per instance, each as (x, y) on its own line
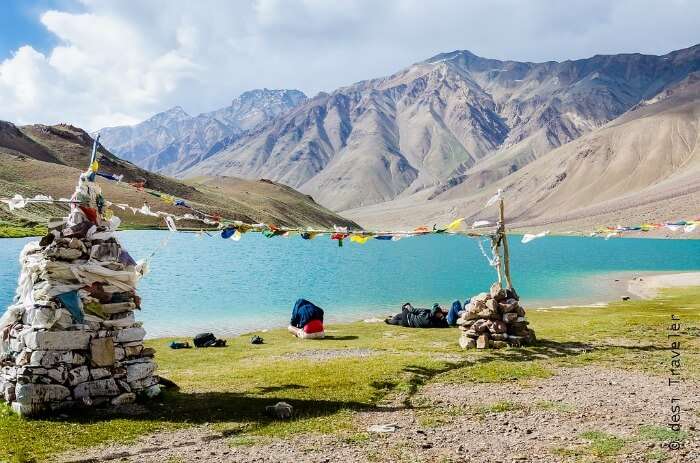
(412, 317)
(307, 320)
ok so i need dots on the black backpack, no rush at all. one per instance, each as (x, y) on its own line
(204, 340)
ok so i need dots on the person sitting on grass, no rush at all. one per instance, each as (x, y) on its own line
(412, 317)
(307, 320)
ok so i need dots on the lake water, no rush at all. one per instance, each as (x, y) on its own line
(228, 287)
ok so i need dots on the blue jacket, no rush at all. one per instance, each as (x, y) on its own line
(305, 311)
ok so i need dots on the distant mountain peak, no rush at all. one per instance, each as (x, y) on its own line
(451, 55)
(172, 139)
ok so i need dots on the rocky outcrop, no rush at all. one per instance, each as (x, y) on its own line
(494, 320)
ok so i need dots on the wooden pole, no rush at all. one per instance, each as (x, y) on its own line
(496, 251)
(504, 237)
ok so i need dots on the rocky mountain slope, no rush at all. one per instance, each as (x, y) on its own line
(173, 140)
(642, 167)
(39, 159)
(426, 129)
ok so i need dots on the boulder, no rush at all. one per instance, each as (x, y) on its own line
(133, 351)
(139, 371)
(28, 394)
(492, 305)
(482, 342)
(57, 340)
(465, 342)
(498, 327)
(144, 383)
(480, 326)
(99, 373)
(58, 375)
(100, 388)
(130, 335)
(497, 292)
(50, 358)
(510, 317)
(102, 352)
(78, 375)
(510, 305)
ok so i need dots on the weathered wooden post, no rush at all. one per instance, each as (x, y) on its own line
(495, 319)
(504, 237)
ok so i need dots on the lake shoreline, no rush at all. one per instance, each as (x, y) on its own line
(635, 286)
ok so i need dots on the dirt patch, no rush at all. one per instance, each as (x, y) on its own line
(580, 414)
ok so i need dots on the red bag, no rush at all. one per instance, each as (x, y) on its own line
(314, 326)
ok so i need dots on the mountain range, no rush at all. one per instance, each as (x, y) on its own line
(43, 159)
(431, 140)
(173, 140)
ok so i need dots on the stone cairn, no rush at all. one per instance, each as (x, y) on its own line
(494, 320)
(71, 338)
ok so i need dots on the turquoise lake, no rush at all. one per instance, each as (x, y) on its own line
(228, 287)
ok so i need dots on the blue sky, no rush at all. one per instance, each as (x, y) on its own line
(97, 63)
(20, 24)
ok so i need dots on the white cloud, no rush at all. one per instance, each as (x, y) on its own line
(119, 62)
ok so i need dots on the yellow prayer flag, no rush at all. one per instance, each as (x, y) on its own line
(95, 166)
(359, 239)
(167, 198)
(455, 225)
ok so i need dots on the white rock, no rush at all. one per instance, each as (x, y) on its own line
(58, 374)
(137, 371)
(99, 373)
(78, 375)
(57, 340)
(99, 388)
(143, 383)
(130, 335)
(39, 393)
(52, 357)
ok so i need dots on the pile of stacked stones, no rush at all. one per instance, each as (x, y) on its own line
(494, 320)
(71, 338)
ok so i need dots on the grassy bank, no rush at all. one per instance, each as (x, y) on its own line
(357, 367)
(21, 230)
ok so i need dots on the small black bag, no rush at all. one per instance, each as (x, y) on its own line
(204, 340)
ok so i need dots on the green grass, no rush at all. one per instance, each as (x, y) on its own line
(13, 230)
(661, 434)
(603, 444)
(230, 387)
(559, 407)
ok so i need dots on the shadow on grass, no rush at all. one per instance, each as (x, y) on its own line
(269, 389)
(215, 407)
(340, 338)
(212, 407)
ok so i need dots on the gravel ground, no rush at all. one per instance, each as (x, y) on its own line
(466, 422)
